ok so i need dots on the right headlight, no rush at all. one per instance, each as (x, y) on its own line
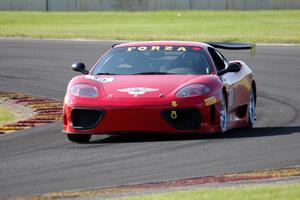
(192, 90)
(84, 90)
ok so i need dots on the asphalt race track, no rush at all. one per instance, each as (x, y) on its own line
(41, 159)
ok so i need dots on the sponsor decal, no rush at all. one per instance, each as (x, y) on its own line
(210, 101)
(101, 79)
(173, 114)
(157, 48)
(174, 104)
(135, 91)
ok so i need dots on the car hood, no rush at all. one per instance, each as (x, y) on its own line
(140, 86)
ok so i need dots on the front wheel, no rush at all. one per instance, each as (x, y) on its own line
(79, 138)
(251, 109)
(223, 114)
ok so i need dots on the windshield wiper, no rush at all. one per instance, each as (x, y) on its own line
(105, 73)
(152, 73)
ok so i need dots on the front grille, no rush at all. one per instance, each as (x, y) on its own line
(183, 118)
(83, 119)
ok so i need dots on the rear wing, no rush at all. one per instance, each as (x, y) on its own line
(234, 46)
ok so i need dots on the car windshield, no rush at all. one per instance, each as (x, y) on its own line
(159, 60)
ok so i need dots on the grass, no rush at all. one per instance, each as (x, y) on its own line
(253, 26)
(290, 191)
(6, 115)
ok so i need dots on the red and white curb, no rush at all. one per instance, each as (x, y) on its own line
(45, 111)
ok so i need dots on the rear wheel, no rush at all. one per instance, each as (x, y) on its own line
(79, 138)
(223, 114)
(251, 109)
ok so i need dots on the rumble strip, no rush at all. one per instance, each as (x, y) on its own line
(45, 111)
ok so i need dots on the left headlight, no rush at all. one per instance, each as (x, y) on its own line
(193, 90)
(84, 90)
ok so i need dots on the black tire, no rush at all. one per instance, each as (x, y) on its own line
(251, 109)
(223, 115)
(79, 138)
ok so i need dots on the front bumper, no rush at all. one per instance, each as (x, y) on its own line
(188, 118)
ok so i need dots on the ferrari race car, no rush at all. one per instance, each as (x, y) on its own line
(162, 87)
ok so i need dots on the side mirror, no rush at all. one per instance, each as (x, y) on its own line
(232, 67)
(79, 67)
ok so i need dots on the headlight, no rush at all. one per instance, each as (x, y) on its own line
(84, 90)
(193, 90)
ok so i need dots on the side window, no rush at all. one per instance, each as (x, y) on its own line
(225, 61)
(219, 60)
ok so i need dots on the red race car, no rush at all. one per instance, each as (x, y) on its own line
(164, 87)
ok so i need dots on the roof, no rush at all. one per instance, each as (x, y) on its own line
(162, 43)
